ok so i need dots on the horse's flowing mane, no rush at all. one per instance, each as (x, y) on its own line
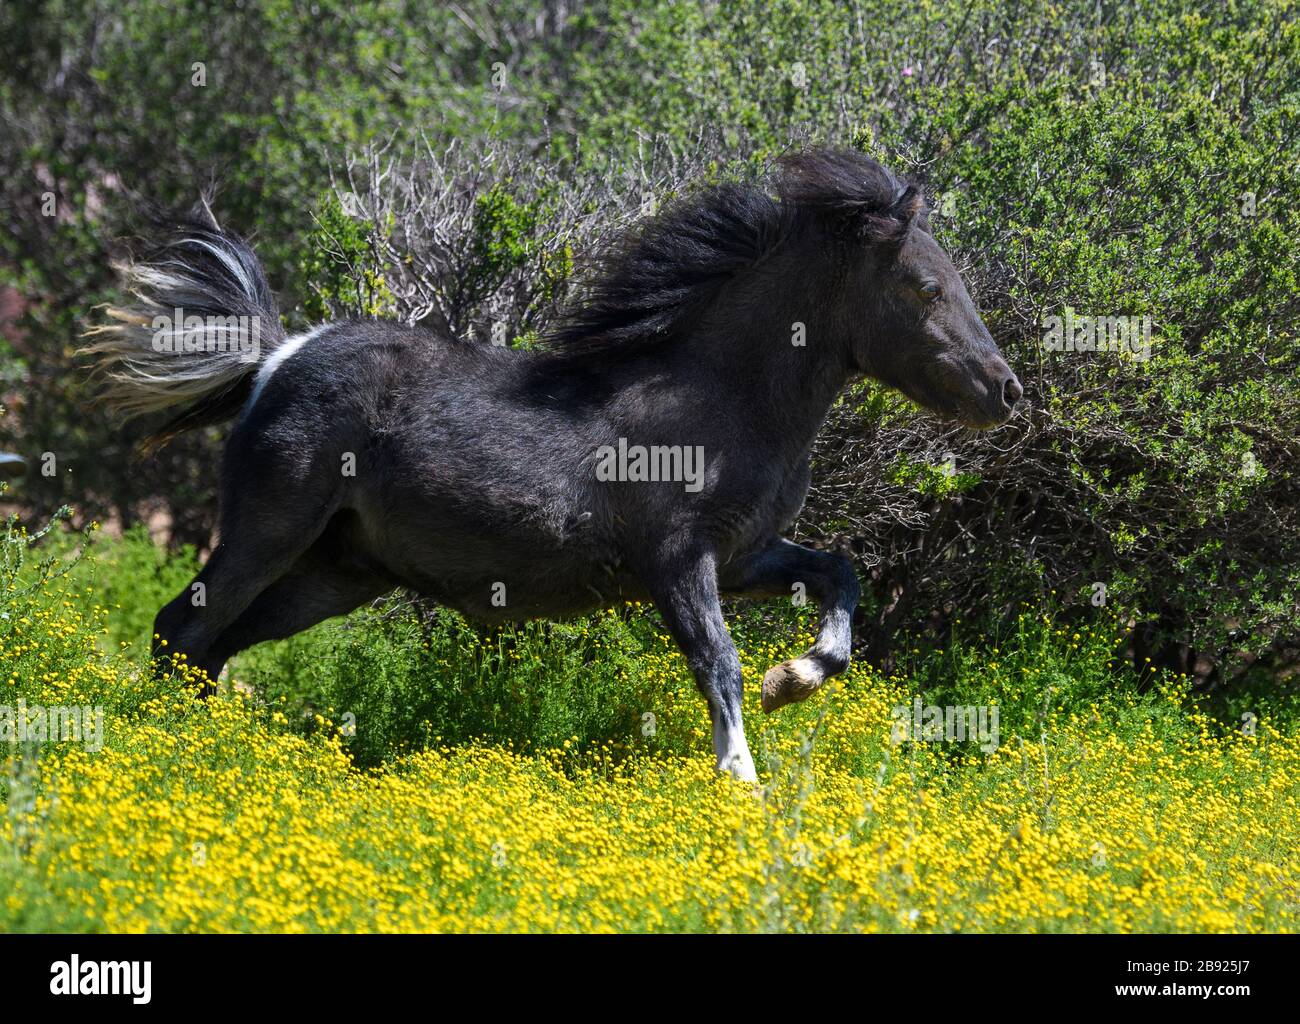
(649, 283)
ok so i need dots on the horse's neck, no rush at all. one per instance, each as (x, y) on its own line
(775, 331)
(779, 383)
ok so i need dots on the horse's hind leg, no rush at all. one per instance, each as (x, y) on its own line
(774, 571)
(231, 581)
(319, 586)
(274, 507)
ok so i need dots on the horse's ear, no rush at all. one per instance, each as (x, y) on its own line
(891, 227)
(909, 205)
(921, 218)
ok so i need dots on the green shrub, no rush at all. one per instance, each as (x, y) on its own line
(1131, 160)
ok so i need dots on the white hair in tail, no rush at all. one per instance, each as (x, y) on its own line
(202, 320)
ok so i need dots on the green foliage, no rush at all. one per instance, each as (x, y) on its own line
(340, 266)
(1170, 473)
(408, 677)
(103, 106)
(20, 577)
(501, 242)
(535, 686)
(941, 481)
(1117, 160)
(132, 579)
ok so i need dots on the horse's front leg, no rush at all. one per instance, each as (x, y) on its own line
(685, 589)
(776, 570)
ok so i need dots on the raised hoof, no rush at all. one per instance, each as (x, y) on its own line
(790, 682)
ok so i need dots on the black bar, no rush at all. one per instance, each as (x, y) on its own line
(873, 973)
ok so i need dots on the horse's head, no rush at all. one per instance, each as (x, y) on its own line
(909, 321)
(927, 338)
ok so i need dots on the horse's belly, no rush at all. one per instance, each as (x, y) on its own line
(513, 595)
(501, 577)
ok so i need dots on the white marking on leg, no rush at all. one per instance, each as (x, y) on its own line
(733, 751)
(807, 672)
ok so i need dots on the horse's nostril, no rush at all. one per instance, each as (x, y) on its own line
(1011, 392)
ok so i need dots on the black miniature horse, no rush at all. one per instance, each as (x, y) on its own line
(656, 448)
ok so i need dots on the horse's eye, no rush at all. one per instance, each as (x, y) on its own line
(929, 292)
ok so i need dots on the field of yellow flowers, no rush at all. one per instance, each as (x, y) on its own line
(1105, 806)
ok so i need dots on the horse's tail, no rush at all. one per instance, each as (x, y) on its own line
(201, 321)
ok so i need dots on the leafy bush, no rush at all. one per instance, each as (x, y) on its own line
(404, 681)
(1104, 160)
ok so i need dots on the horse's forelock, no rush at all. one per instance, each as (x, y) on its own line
(851, 186)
